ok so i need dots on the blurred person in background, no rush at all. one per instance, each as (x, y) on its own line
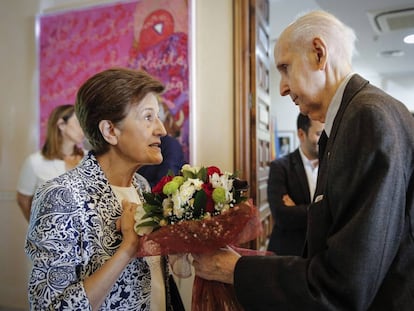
(291, 185)
(61, 152)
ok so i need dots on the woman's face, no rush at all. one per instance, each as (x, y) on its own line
(138, 135)
(71, 130)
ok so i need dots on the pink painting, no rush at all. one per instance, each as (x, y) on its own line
(147, 34)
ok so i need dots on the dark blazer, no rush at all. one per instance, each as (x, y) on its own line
(361, 226)
(287, 176)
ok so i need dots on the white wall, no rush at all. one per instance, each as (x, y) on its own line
(212, 129)
(281, 14)
(18, 132)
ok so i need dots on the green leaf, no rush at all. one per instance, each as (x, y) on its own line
(188, 174)
(152, 208)
(151, 215)
(150, 223)
(151, 198)
(202, 174)
(200, 201)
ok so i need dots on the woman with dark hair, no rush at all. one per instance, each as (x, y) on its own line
(81, 237)
(60, 153)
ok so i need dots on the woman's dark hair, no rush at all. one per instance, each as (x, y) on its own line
(108, 95)
(51, 149)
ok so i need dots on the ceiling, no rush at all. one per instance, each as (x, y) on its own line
(359, 14)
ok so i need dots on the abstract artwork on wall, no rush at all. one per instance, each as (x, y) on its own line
(149, 34)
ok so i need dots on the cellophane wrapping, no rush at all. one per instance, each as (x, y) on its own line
(212, 295)
(236, 226)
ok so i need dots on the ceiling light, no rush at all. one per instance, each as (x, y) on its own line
(409, 39)
(392, 53)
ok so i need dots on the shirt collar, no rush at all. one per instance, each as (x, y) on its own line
(335, 104)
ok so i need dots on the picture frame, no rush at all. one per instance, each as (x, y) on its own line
(155, 36)
(286, 142)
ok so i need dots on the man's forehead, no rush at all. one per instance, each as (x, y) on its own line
(279, 51)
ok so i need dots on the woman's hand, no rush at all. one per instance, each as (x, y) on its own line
(125, 224)
(98, 285)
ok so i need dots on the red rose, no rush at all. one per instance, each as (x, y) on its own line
(158, 187)
(213, 169)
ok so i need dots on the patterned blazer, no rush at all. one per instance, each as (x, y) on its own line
(72, 233)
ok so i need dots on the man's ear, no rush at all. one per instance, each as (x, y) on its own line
(319, 46)
(301, 135)
(108, 131)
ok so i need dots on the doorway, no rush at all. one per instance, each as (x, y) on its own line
(252, 105)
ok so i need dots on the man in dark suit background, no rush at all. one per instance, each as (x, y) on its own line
(360, 236)
(291, 185)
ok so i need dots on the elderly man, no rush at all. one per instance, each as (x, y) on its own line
(360, 238)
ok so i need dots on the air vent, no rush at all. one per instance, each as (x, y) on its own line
(392, 20)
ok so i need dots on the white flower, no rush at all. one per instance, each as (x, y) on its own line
(178, 209)
(223, 181)
(188, 188)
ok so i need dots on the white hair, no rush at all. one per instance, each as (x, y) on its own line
(339, 37)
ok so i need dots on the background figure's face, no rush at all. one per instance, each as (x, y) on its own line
(139, 133)
(300, 76)
(309, 141)
(71, 130)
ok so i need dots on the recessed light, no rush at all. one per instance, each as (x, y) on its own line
(409, 39)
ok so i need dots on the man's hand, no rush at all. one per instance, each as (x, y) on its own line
(217, 266)
(287, 200)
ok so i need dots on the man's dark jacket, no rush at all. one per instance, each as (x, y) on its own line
(361, 227)
(287, 176)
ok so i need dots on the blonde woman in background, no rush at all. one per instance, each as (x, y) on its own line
(60, 153)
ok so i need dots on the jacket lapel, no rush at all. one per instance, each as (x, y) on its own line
(319, 213)
(300, 172)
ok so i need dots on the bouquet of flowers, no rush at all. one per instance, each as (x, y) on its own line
(198, 193)
(199, 210)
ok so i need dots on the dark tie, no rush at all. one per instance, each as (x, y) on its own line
(322, 145)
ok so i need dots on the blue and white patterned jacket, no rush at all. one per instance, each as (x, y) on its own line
(72, 233)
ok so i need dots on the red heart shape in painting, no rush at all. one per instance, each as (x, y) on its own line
(158, 26)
